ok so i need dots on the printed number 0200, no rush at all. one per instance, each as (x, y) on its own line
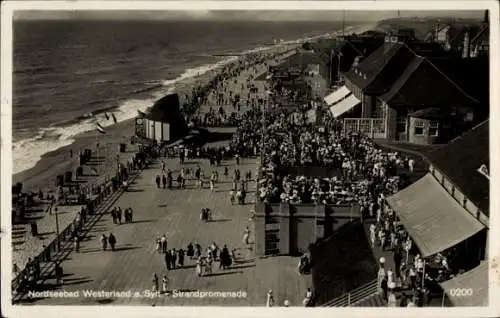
(461, 292)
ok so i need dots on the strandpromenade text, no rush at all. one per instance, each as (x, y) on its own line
(135, 294)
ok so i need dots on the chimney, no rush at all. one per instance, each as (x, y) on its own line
(436, 33)
(465, 53)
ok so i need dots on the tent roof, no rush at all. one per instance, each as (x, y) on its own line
(434, 220)
(475, 279)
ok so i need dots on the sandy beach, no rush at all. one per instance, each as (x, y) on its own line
(43, 175)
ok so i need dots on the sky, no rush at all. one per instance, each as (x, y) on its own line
(237, 15)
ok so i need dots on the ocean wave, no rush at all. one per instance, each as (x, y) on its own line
(27, 152)
(197, 71)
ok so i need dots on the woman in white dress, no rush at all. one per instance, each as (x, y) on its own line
(199, 267)
(270, 299)
(164, 284)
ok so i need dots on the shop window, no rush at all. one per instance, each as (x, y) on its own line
(419, 128)
(433, 129)
(401, 125)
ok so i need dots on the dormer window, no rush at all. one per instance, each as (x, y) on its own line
(484, 171)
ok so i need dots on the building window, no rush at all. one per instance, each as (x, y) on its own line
(272, 241)
(401, 125)
(433, 129)
(419, 127)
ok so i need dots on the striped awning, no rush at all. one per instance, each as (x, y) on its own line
(432, 217)
(337, 95)
(344, 105)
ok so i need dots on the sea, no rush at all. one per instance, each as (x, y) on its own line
(64, 70)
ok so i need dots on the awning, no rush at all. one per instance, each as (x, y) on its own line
(432, 217)
(344, 105)
(337, 95)
(469, 289)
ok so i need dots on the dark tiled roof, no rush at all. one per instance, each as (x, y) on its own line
(431, 113)
(472, 75)
(350, 49)
(302, 58)
(423, 84)
(457, 34)
(381, 68)
(460, 160)
(483, 35)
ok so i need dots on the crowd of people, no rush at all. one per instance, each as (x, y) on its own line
(90, 196)
(366, 175)
(203, 259)
(407, 284)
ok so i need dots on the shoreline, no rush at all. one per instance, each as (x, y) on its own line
(56, 161)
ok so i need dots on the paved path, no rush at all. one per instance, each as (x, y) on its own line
(25, 245)
(176, 213)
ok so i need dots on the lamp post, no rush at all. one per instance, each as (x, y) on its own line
(57, 230)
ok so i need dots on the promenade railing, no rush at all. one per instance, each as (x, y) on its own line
(52, 250)
(354, 296)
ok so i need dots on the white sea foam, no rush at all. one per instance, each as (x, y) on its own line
(27, 152)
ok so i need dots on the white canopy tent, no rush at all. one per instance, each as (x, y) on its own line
(344, 105)
(337, 95)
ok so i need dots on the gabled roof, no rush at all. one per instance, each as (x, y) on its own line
(350, 49)
(432, 33)
(460, 160)
(166, 110)
(431, 114)
(483, 35)
(381, 68)
(457, 34)
(301, 59)
(423, 84)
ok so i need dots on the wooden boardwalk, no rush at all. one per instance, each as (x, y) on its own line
(176, 213)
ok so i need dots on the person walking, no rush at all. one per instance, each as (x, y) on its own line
(130, 215)
(59, 274)
(158, 245)
(154, 286)
(76, 243)
(411, 164)
(158, 180)
(163, 241)
(104, 242)
(112, 241)
(164, 181)
(119, 215)
(307, 299)
(113, 215)
(212, 182)
(164, 284)
(246, 236)
(372, 234)
(270, 299)
(168, 260)
(190, 251)
(199, 267)
(181, 258)
(173, 258)
(208, 267)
